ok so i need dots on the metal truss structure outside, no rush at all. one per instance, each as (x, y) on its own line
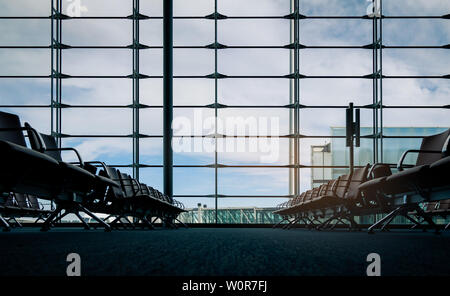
(230, 216)
(295, 18)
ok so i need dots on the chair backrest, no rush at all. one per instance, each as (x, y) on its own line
(300, 198)
(34, 203)
(21, 200)
(436, 143)
(14, 133)
(112, 173)
(10, 202)
(315, 192)
(144, 189)
(308, 195)
(358, 177)
(127, 184)
(341, 185)
(323, 189)
(331, 187)
(50, 143)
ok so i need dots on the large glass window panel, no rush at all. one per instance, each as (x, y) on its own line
(254, 7)
(97, 121)
(416, 118)
(406, 7)
(254, 32)
(254, 92)
(98, 91)
(193, 32)
(193, 62)
(193, 92)
(336, 92)
(112, 151)
(416, 92)
(25, 8)
(151, 121)
(151, 62)
(253, 151)
(192, 181)
(187, 8)
(25, 91)
(152, 177)
(28, 62)
(334, 7)
(151, 31)
(193, 121)
(416, 62)
(151, 92)
(152, 8)
(94, 32)
(320, 122)
(193, 151)
(336, 32)
(37, 32)
(254, 62)
(99, 8)
(99, 62)
(251, 181)
(150, 151)
(336, 62)
(253, 122)
(415, 32)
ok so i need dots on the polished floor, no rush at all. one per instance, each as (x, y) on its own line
(224, 251)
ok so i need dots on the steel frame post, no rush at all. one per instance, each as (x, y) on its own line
(168, 96)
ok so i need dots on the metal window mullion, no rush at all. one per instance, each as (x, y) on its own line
(216, 185)
(297, 105)
(381, 158)
(135, 89)
(51, 67)
(374, 82)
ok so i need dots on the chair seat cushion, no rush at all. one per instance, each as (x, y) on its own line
(373, 184)
(27, 171)
(439, 173)
(76, 179)
(404, 181)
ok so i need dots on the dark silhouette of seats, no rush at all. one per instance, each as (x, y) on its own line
(433, 149)
(25, 170)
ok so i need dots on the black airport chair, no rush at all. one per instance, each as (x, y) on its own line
(25, 170)
(429, 174)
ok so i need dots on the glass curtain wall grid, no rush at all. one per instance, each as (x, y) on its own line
(296, 106)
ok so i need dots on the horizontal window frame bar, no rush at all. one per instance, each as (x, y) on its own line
(66, 106)
(220, 18)
(160, 47)
(446, 76)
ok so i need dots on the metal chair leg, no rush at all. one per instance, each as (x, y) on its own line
(86, 225)
(447, 226)
(381, 221)
(6, 226)
(184, 225)
(276, 225)
(49, 221)
(106, 226)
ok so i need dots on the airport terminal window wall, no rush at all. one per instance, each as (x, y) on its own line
(90, 72)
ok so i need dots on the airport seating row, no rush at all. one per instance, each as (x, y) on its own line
(78, 187)
(416, 192)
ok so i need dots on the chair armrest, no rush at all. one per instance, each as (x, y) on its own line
(402, 158)
(69, 149)
(23, 128)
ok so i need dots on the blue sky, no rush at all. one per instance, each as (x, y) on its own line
(231, 91)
